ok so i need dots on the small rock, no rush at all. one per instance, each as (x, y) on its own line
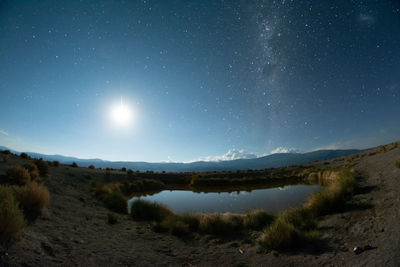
(357, 250)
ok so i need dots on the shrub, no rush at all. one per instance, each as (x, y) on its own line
(43, 167)
(123, 169)
(112, 219)
(91, 167)
(12, 219)
(33, 198)
(24, 155)
(18, 175)
(129, 172)
(74, 165)
(257, 219)
(33, 170)
(115, 201)
(151, 211)
(56, 163)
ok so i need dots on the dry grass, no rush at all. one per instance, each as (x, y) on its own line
(18, 175)
(12, 220)
(33, 198)
(149, 211)
(33, 170)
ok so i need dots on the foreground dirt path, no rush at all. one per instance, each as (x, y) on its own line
(74, 230)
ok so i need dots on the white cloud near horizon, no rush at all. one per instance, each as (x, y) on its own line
(234, 154)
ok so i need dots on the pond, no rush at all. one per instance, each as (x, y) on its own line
(271, 200)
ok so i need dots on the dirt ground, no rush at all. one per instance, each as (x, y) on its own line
(74, 230)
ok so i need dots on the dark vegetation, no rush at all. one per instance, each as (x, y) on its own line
(12, 220)
(23, 198)
(74, 165)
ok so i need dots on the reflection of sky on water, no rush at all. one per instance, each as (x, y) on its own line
(272, 200)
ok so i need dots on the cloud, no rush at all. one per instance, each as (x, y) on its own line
(3, 132)
(282, 149)
(232, 154)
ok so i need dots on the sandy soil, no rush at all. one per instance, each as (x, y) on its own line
(74, 230)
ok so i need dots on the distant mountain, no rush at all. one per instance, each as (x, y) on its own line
(270, 161)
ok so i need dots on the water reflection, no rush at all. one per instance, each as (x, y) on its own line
(272, 200)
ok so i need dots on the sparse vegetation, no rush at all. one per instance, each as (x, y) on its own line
(18, 175)
(12, 220)
(149, 211)
(43, 167)
(33, 198)
(24, 155)
(33, 171)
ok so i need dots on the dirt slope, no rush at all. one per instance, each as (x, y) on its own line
(74, 230)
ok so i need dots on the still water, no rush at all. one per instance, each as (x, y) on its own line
(272, 200)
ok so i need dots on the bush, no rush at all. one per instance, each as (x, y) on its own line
(43, 167)
(33, 198)
(115, 201)
(18, 175)
(24, 155)
(123, 169)
(12, 219)
(91, 167)
(56, 163)
(150, 211)
(74, 165)
(33, 170)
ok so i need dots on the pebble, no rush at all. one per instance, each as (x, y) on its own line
(357, 250)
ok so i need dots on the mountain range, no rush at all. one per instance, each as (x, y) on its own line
(270, 161)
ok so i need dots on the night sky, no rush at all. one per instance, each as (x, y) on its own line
(202, 79)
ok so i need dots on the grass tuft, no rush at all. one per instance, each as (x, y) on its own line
(33, 198)
(18, 175)
(12, 219)
(257, 219)
(33, 171)
(149, 211)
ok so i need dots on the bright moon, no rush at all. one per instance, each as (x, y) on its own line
(121, 114)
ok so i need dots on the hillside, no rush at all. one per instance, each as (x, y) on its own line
(270, 161)
(74, 230)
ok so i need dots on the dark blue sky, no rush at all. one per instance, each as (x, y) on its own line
(201, 77)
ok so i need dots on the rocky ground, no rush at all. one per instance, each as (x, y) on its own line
(74, 230)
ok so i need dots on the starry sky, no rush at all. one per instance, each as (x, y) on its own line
(204, 80)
